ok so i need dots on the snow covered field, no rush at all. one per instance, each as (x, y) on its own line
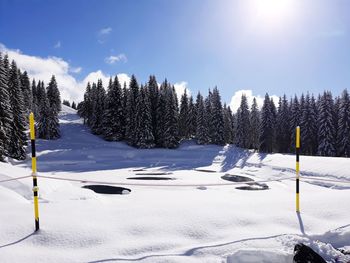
(196, 217)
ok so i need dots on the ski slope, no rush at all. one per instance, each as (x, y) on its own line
(195, 217)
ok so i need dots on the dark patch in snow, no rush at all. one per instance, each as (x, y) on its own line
(154, 173)
(253, 187)
(150, 178)
(107, 189)
(206, 171)
(201, 188)
(305, 254)
(236, 178)
(344, 251)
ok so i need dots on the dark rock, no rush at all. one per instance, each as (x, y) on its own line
(107, 189)
(236, 178)
(150, 178)
(253, 187)
(305, 254)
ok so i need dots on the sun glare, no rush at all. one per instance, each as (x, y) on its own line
(271, 13)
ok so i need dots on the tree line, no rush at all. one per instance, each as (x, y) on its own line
(148, 115)
(19, 97)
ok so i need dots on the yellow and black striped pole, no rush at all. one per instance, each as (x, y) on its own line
(35, 180)
(297, 167)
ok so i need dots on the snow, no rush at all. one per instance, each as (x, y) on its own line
(198, 217)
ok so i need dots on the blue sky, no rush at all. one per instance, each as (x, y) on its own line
(236, 45)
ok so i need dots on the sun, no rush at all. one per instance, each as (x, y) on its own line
(271, 14)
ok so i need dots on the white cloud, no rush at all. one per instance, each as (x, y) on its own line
(113, 59)
(236, 99)
(57, 45)
(71, 89)
(75, 70)
(105, 31)
(180, 88)
(103, 34)
(43, 68)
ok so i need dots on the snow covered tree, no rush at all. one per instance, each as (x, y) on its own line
(54, 98)
(267, 133)
(153, 92)
(85, 111)
(326, 132)
(18, 137)
(255, 125)
(184, 117)
(295, 115)
(99, 95)
(113, 129)
(344, 125)
(160, 114)
(171, 139)
(5, 111)
(66, 102)
(228, 125)
(243, 124)
(308, 127)
(216, 119)
(144, 136)
(53, 95)
(192, 119)
(27, 93)
(283, 131)
(35, 104)
(202, 132)
(43, 122)
(74, 106)
(131, 111)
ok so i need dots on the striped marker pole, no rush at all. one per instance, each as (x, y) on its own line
(297, 167)
(35, 179)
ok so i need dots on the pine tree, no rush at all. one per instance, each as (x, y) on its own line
(53, 95)
(144, 136)
(283, 131)
(184, 117)
(74, 106)
(202, 132)
(255, 125)
(18, 136)
(192, 118)
(267, 133)
(308, 127)
(243, 125)
(54, 98)
(5, 111)
(35, 104)
(336, 110)
(131, 111)
(295, 115)
(153, 92)
(228, 125)
(171, 139)
(45, 116)
(344, 125)
(160, 114)
(98, 108)
(216, 119)
(66, 102)
(27, 93)
(125, 100)
(112, 118)
(326, 132)
(85, 111)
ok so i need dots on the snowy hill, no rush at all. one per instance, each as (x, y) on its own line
(194, 217)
